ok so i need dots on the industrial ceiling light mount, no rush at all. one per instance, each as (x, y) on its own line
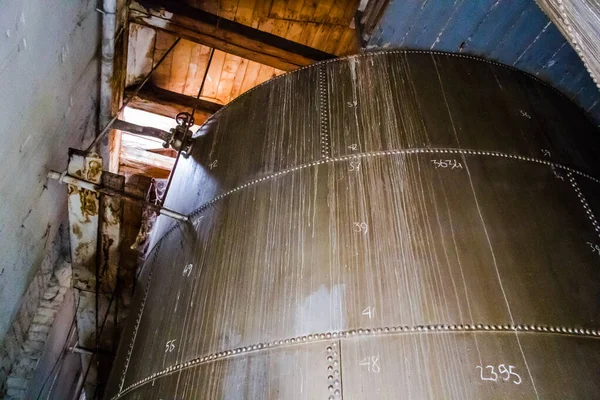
(180, 137)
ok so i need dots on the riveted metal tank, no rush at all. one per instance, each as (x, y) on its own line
(392, 225)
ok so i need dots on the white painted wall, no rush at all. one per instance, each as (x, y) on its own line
(49, 73)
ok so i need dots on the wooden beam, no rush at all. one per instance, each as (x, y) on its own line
(146, 162)
(136, 158)
(119, 76)
(169, 104)
(140, 130)
(229, 36)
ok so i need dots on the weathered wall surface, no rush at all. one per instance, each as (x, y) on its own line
(29, 355)
(22, 343)
(49, 91)
(64, 385)
(513, 32)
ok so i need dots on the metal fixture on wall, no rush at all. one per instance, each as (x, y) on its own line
(82, 184)
(181, 136)
(99, 204)
(403, 222)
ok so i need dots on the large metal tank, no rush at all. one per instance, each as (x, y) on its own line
(404, 224)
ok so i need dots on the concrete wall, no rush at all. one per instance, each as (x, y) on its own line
(49, 72)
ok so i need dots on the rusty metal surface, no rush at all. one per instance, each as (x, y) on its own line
(110, 241)
(95, 235)
(392, 224)
(84, 207)
(84, 223)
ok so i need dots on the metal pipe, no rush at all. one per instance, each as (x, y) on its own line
(109, 9)
(88, 351)
(141, 130)
(64, 178)
(81, 350)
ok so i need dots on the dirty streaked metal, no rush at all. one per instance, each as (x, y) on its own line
(84, 208)
(398, 224)
(85, 214)
(111, 232)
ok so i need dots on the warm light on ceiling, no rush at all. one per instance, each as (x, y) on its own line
(145, 118)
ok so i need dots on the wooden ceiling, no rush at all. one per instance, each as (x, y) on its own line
(323, 25)
(183, 70)
(233, 32)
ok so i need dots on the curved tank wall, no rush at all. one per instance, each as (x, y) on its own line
(399, 224)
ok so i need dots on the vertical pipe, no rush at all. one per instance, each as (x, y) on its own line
(109, 10)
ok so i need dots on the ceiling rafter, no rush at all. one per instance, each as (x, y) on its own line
(229, 36)
(169, 104)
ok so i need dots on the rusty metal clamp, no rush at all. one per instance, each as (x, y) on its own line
(181, 135)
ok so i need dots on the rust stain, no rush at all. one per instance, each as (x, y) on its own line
(107, 242)
(112, 218)
(81, 250)
(89, 203)
(94, 171)
(77, 231)
(141, 237)
(84, 255)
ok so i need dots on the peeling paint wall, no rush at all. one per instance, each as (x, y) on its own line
(49, 74)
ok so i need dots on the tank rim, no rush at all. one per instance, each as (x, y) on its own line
(381, 53)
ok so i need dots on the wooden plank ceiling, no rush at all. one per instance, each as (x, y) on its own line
(325, 25)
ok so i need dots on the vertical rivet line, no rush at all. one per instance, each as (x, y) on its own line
(324, 112)
(334, 374)
(586, 207)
